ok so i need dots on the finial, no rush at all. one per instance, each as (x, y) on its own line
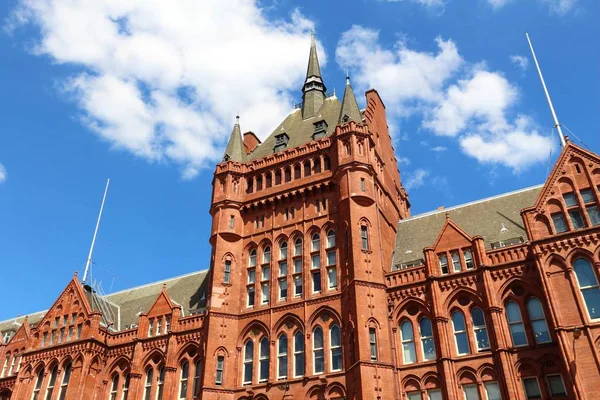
(447, 215)
(237, 119)
(164, 287)
(347, 78)
(312, 37)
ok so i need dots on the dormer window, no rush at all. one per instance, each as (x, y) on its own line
(281, 142)
(320, 129)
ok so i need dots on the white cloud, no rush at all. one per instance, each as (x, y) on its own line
(407, 77)
(469, 103)
(415, 179)
(560, 7)
(439, 149)
(403, 160)
(427, 3)
(164, 80)
(520, 62)
(3, 174)
(496, 4)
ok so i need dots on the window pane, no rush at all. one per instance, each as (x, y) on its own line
(316, 276)
(587, 195)
(470, 392)
(535, 309)
(316, 261)
(518, 334)
(532, 390)
(585, 273)
(492, 390)
(331, 257)
(512, 312)
(428, 349)
(555, 383)
(478, 319)
(409, 352)
(319, 361)
(540, 331)
(570, 199)
(298, 265)
(576, 219)
(330, 239)
(458, 320)
(483, 341)
(336, 359)
(425, 326)
(407, 332)
(434, 394)
(560, 224)
(318, 338)
(332, 276)
(266, 273)
(592, 301)
(594, 214)
(335, 336)
(462, 343)
(414, 395)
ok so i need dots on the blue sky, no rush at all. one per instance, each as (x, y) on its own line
(146, 93)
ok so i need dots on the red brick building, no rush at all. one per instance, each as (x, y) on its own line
(323, 286)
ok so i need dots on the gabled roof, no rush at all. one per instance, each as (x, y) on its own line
(188, 290)
(495, 219)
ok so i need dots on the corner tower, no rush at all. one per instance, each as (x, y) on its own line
(303, 230)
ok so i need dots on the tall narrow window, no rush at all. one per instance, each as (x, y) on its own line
(298, 286)
(148, 384)
(455, 261)
(408, 342)
(114, 387)
(197, 377)
(560, 225)
(443, 264)
(51, 383)
(283, 251)
(588, 284)
(219, 370)
(267, 255)
(470, 392)
(373, 343)
(160, 384)
(318, 351)
(460, 333)
(298, 247)
(252, 258)
(183, 380)
(364, 235)
(492, 391)
(335, 346)
(363, 187)
(468, 258)
(434, 394)
(298, 354)
(479, 329)
(125, 387)
(532, 388)
(515, 323)
(556, 385)
(316, 242)
(332, 277)
(248, 362)
(538, 321)
(264, 360)
(64, 385)
(283, 289)
(330, 238)
(227, 272)
(427, 343)
(265, 285)
(38, 384)
(250, 287)
(587, 195)
(316, 281)
(574, 211)
(231, 221)
(282, 357)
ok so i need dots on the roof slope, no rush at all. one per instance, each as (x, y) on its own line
(300, 130)
(484, 217)
(186, 290)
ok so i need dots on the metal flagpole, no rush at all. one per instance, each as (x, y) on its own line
(89, 259)
(556, 123)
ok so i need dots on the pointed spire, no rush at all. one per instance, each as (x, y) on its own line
(235, 148)
(313, 90)
(349, 110)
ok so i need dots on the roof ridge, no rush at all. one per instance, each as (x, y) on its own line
(156, 282)
(24, 315)
(428, 213)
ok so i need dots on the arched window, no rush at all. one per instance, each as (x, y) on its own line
(588, 284)
(298, 354)
(515, 324)
(283, 251)
(317, 166)
(282, 356)
(64, 385)
(269, 180)
(364, 237)
(335, 346)
(278, 177)
(373, 342)
(267, 255)
(114, 387)
(252, 259)
(427, 339)
(318, 351)
(297, 171)
(330, 238)
(248, 362)
(161, 383)
(327, 163)
(183, 380)
(125, 387)
(148, 384)
(298, 247)
(460, 333)
(264, 360)
(51, 383)
(408, 342)
(38, 384)
(307, 168)
(288, 174)
(316, 242)
(197, 377)
(538, 321)
(479, 329)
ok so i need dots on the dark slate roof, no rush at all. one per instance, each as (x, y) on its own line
(349, 105)
(300, 130)
(235, 148)
(484, 217)
(313, 68)
(186, 290)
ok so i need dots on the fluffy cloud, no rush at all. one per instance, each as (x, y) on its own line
(165, 82)
(439, 149)
(415, 179)
(520, 62)
(498, 3)
(560, 7)
(454, 98)
(2, 173)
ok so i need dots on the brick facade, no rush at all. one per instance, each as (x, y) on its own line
(304, 300)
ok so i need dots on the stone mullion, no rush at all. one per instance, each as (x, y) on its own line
(135, 382)
(171, 366)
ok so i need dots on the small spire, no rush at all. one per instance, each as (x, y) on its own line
(235, 148)
(313, 90)
(349, 110)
